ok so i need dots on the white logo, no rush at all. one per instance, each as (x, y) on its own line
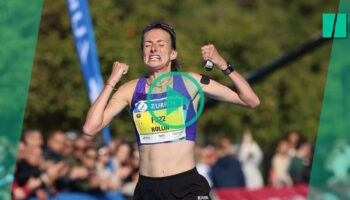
(142, 106)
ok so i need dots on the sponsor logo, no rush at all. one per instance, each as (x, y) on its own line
(142, 106)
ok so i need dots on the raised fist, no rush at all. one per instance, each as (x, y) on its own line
(209, 52)
(119, 69)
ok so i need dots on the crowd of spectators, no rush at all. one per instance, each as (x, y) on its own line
(67, 162)
(70, 163)
(292, 162)
(239, 165)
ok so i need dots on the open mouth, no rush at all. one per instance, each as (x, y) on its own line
(154, 58)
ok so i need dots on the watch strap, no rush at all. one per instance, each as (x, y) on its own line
(230, 68)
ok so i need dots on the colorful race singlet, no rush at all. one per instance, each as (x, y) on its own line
(148, 130)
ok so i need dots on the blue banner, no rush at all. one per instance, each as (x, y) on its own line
(85, 44)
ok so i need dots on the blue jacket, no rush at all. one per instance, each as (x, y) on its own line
(227, 172)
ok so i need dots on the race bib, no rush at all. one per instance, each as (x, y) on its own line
(150, 131)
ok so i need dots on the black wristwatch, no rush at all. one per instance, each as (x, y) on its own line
(230, 68)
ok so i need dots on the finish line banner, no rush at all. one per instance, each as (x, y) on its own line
(86, 49)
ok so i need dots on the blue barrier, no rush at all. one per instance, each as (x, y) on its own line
(84, 196)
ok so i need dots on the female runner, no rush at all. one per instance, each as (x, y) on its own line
(167, 165)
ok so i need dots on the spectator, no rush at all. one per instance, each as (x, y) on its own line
(251, 156)
(105, 172)
(84, 177)
(293, 141)
(28, 181)
(89, 159)
(55, 146)
(227, 171)
(76, 157)
(129, 187)
(280, 164)
(33, 137)
(203, 163)
(135, 157)
(227, 147)
(121, 161)
(54, 175)
(70, 137)
(77, 178)
(113, 144)
(299, 166)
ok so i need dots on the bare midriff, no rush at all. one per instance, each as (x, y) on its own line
(160, 160)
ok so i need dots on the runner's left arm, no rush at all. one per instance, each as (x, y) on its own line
(243, 95)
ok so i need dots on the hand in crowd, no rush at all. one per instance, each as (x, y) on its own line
(41, 194)
(79, 172)
(33, 183)
(55, 171)
(18, 193)
(95, 181)
(114, 184)
(124, 172)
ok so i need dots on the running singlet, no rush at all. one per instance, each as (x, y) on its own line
(148, 130)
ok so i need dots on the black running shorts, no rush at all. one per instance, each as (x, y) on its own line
(189, 185)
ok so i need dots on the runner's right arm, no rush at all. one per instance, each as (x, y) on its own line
(102, 111)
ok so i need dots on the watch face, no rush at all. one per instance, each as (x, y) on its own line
(230, 66)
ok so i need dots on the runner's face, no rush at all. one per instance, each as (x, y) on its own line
(157, 50)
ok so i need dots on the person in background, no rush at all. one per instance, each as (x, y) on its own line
(109, 180)
(121, 161)
(33, 137)
(28, 182)
(293, 142)
(70, 137)
(227, 171)
(93, 180)
(83, 178)
(55, 146)
(251, 156)
(280, 164)
(203, 163)
(113, 144)
(76, 157)
(129, 187)
(135, 157)
(299, 165)
(228, 147)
